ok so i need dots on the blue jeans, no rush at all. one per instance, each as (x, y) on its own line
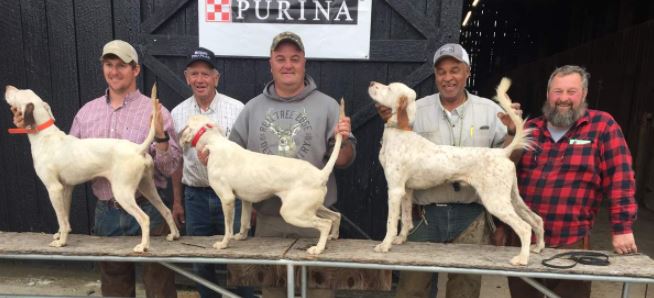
(118, 278)
(444, 223)
(204, 217)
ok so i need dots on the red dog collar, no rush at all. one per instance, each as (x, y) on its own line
(199, 134)
(40, 127)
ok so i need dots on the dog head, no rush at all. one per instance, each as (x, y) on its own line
(390, 95)
(196, 127)
(34, 109)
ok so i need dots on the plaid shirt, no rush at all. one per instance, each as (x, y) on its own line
(565, 181)
(131, 121)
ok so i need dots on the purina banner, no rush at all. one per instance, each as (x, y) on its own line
(331, 29)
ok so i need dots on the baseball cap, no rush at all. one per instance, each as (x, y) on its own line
(287, 36)
(202, 54)
(123, 50)
(453, 50)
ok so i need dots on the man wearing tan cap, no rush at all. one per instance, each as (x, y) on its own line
(455, 117)
(122, 112)
(293, 119)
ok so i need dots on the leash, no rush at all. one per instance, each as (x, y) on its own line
(40, 127)
(578, 257)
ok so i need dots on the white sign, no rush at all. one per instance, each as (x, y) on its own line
(332, 29)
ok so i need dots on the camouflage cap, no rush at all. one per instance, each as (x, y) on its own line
(287, 36)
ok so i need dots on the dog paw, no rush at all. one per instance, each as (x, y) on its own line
(172, 236)
(535, 248)
(383, 247)
(314, 250)
(240, 236)
(57, 243)
(141, 248)
(519, 261)
(399, 239)
(332, 237)
(219, 245)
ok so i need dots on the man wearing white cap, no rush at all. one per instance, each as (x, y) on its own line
(455, 117)
(122, 112)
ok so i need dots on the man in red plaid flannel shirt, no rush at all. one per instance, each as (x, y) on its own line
(581, 157)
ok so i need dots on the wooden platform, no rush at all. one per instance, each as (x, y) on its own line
(459, 256)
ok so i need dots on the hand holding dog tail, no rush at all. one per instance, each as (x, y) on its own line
(155, 109)
(521, 139)
(329, 166)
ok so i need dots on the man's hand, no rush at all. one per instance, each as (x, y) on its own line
(344, 128)
(384, 112)
(159, 124)
(203, 155)
(178, 214)
(18, 117)
(506, 120)
(624, 244)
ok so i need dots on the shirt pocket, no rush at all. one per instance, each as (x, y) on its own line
(481, 137)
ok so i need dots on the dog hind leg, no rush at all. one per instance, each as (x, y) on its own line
(335, 217)
(535, 221)
(407, 217)
(149, 190)
(300, 208)
(127, 201)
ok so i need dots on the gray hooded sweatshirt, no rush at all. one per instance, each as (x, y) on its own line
(298, 127)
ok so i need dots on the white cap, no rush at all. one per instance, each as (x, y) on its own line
(123, 50)
(453, 50)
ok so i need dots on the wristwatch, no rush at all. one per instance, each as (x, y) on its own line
(162, 140)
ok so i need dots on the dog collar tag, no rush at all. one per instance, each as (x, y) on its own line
(40, 127)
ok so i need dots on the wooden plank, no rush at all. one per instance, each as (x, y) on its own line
(414, 17)
(93, 21)
(169, 45)
(65, 93)
(399, 50)
(14, 149)
(167, 76)
(162, 15)
(126, 23)
(35, 201)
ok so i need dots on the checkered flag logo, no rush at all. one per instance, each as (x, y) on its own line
(219, 10)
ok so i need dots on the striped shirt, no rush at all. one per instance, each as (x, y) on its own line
(223, 110)
(565, 181)
(130, 121)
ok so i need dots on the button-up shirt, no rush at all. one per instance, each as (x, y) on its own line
(130, 121)
(223, 110)
(564, 181)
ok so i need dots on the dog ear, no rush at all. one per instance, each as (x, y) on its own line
(28, 115)
(47, 108)
(402, 103)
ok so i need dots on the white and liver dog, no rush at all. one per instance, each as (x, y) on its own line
(412, 162)
(62, 161)
(253, 177)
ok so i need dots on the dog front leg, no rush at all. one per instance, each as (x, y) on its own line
(227, 199)
(246, 213)
(407, 218)
(395, 195)
(57, 193)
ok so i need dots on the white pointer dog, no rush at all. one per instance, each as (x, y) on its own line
(62, 161)
(253, 177)
(412, 162)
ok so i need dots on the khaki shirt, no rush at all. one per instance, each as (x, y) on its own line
(473, 124)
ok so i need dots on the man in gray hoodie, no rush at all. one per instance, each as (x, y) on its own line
(292, 118)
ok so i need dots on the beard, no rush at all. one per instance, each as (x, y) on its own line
(563, 119)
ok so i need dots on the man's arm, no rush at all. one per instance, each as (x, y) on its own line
(178, 195)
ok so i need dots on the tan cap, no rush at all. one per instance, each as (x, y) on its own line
(287, 36)
(123, 50)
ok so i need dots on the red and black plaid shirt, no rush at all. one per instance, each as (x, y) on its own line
(564, 182)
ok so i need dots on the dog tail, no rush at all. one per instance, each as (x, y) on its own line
(337, 146)
(521, 140)
(155, 105)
